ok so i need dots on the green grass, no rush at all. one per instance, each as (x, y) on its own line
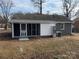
(43, 48)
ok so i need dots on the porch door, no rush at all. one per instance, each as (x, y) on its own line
(16, 29)
(23, 31)
(33, 29)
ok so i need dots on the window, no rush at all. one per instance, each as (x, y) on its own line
(23, 26)
(61, 25)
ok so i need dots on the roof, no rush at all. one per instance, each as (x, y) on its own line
(40, 17)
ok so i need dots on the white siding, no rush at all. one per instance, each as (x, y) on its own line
(46, 29)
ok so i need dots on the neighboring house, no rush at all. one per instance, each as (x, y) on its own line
(2, 22)
(40, 25)
(76, 25)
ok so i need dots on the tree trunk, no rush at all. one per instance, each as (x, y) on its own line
(6, 26)
(40, 6)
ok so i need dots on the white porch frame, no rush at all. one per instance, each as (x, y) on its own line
(12, 30)
(20, 31)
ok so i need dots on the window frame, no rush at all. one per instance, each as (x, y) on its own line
(63, 26)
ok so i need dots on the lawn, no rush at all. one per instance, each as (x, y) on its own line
(66, 47)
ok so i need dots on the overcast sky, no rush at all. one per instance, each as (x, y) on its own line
(53, 6)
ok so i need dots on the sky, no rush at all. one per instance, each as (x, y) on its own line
(26, 6)
(51, 6)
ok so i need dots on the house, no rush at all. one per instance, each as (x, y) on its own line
(40, 25)
(76, 25)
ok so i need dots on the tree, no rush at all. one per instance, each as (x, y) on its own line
(6, 6)
(38, 4)
(69, 6)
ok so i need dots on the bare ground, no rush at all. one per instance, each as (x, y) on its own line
(66, 47)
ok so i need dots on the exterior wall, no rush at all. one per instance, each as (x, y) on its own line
(67, 28)
(46, 29)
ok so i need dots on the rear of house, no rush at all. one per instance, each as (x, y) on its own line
(40, 25)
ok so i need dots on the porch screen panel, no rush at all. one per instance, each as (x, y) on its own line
(23, 26)
(38, 29)
(16, 29)
(33, 29)
(28, 29)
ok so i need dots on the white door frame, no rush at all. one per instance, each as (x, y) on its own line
(23, 31)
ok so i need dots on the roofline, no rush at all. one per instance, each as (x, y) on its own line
(37, 21)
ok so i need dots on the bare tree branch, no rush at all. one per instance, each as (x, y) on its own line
(6, 6)
(69, 6)
(38, 4)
